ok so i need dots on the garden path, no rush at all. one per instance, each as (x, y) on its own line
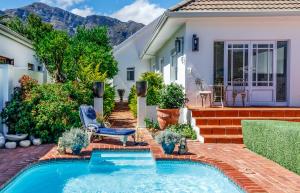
(121, 117)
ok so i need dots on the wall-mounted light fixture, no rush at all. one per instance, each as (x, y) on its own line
(178, 45)
(195, 44)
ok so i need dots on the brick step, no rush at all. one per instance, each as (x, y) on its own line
(237, 120)
(247, 112)
(220, 129)
(237, 139)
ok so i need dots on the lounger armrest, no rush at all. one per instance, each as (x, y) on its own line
(93, 127)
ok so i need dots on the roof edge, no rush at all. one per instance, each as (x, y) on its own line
(133, 36)
(157, 29)
(185, 14)
(180, 4)
(16, 36)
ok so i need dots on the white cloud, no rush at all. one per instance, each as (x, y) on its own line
(86, 11)
(64, 4)
(140, 11)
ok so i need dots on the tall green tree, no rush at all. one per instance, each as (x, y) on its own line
(32, 28)
(91, 47)
(51, 50)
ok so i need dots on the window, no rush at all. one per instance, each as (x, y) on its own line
(218, 62)
(4, 60)
(237, 62)
(282, 52)
(30, 66)
(130, 74)
(40, 68)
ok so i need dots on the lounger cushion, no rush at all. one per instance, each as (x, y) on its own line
(110, 131)
(90, 113)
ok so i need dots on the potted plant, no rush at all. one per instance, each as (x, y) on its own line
(167, 139)
(98, 89)
(121, 93)
(74, 139)
(172, 98)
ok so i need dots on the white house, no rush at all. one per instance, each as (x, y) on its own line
(219, 41)
(17, 58)
(128, 56)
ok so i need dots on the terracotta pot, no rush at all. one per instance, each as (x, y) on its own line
(166, 117)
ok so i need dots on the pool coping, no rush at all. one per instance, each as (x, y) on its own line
(233, 174)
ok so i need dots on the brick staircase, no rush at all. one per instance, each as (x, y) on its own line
(223, 125)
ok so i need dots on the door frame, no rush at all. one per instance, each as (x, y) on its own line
(250, 88)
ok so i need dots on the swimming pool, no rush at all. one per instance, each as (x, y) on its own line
(114, 172)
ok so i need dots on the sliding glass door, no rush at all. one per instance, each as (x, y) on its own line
(255, 63)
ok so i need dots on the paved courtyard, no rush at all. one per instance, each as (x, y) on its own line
(251, 171)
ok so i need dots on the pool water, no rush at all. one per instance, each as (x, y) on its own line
(116, 172)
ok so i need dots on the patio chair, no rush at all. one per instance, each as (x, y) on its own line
(239, 88)
(88, 119)
(203, 91)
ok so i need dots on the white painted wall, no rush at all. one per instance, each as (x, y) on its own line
(165, 53)
(243, 28)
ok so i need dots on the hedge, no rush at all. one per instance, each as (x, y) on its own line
(277, 140)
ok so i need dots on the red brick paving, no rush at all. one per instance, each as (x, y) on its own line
(122, 117)
(252, 172)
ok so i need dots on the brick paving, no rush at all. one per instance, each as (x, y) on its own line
(250, 171)
(121, 117)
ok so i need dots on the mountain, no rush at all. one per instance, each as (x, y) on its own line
(64, 20)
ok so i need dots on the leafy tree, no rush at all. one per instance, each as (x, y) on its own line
(91, 47)
(32, 28)
(51, 51)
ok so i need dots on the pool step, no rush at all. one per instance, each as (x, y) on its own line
(122, 159)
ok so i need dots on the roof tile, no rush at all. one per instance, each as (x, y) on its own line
(240, 5)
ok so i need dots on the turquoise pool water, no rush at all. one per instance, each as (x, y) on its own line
(121, 172)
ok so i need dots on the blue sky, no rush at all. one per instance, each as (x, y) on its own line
(143, 11)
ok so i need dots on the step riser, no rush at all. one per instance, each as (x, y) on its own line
(234, 121)
(223, 140)
(247, 113)
(218, 131)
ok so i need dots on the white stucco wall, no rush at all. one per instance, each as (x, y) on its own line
(244, 28)
(165, 53)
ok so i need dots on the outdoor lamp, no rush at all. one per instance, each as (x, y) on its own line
(195, 43)
(178, 45)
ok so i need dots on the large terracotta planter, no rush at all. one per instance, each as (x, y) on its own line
(166, 117)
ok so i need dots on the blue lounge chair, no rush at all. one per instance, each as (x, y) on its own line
(88, 119)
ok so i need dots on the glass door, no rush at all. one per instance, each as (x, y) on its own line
(262, 81)
(254, 64)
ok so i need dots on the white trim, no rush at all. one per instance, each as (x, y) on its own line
(15, 36)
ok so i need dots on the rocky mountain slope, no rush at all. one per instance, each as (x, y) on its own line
(64, 20)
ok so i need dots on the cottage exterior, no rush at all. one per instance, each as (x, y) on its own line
(17, 58)
(256, 41)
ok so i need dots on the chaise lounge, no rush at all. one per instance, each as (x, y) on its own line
(88, 119)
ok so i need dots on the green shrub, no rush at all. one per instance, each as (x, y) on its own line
(276, 140)
(46, 111)
(184, 130)
(132, 101)
(152, 126)
(155, 84)
(172, 97)
(109, 99)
